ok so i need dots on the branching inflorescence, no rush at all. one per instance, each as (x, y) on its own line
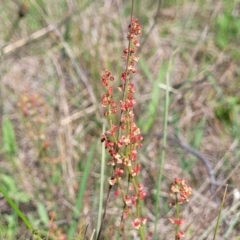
(123, 138)
(180, 193)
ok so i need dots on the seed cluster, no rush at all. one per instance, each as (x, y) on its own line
(123, 139)
(180, 193)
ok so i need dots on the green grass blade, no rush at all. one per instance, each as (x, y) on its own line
(145, 69)
(151, 110)
(219, 214)
(81, 190)
(162, 156)
(16, 209)
(9, 139)
(43, 214)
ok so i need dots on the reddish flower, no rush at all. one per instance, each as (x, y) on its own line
(134, 199)
(106, 77)
(112, 181)
(122, 139)
(136, 223)
(127, 200)
(124, 76)
(136, 170)
(180, 234)
(141, 192)
(119, 172)
(112, 130)
(177, 221)
(144, 220)
(181, 190)
(118, 158)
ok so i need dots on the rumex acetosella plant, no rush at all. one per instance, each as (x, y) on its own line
(123, 138)
(180, 193)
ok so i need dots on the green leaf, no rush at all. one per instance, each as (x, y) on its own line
(82, 186)
(16, 209)
(9, 139)
(43, 214)
(9, 185)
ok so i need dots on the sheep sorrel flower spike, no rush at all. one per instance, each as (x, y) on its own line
(123, 137)
(180, 193)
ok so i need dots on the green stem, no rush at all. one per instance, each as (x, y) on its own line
(177, 215)
(79, 200)
(17, 210)
(219, 214)
(141, 233)
(101, 184)
(162, 157)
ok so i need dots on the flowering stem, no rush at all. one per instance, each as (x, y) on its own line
(177, 216)
(141, 233)
(101, 185)
(128, 78)
(180, 191)
(122, 141)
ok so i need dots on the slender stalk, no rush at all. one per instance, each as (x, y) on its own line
(17, 210)
(219, 214)
(80, 195)
(162, 156)
(123, 138)
(177, 216)
(128, 77)
(101, 184)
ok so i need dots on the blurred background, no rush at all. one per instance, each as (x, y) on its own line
(51, 60)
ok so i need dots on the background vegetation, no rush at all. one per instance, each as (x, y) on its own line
(52, 56)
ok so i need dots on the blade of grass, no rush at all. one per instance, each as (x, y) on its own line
(219, 214)
(146, 124)
(162, 156)
(224, 215)
(9, 139)
(233, 224)
(198, 134)
(195, 141)
(43, 214)
(81, 190)
(17, 210)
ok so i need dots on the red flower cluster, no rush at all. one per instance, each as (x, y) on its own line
(123, 148)
(107, 99)
(178, 221)
(137, 222)
(134, 30)
(180, 192)
(123, 139)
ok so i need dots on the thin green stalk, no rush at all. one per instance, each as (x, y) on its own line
(219, 214)
(177, 215)
(17, 210)
(162, 156)
(224, 215)
(82, 187)
(100, 209)
(128, 76)
(141, 233)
